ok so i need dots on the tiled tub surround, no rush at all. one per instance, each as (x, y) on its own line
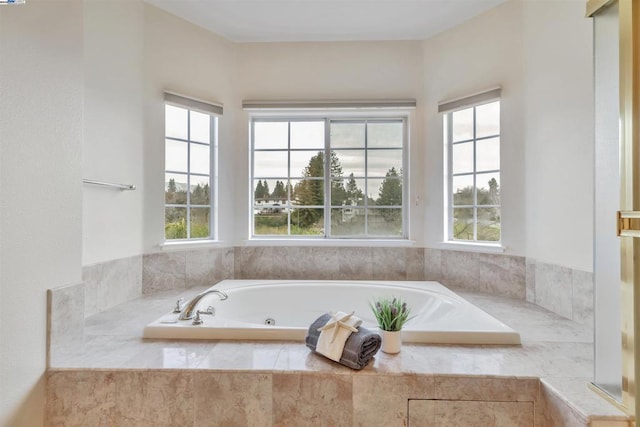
(562, 290)
(113, 377)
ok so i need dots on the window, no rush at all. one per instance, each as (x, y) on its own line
(329, 177)
(473, 139)
(190, 148)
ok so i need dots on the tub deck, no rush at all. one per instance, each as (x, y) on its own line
(553, 366)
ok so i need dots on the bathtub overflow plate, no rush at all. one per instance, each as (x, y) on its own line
(270, 321)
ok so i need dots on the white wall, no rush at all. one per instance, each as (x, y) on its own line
(189, 60)
(40, 191)
(559, 132)
(112, 225)
(540, 53)
(340, 70)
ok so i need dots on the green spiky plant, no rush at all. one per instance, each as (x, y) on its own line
(391, 314)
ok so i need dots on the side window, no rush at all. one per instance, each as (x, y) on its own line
(190, 142)
(473, 142)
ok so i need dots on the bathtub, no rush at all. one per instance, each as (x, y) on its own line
(284, 309)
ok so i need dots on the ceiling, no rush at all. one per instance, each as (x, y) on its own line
(325, 20)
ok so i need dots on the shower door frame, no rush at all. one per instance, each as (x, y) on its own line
(629, 215)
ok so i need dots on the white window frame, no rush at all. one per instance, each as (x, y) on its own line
(328, 118)
(448, 108)
(214, 111)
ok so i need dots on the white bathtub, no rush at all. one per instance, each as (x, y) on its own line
(441, 316)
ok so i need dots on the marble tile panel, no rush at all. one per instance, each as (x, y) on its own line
(200, 266)
(608, 423)
(297, 357)
(415, 264)
(91, 278)
(291, 262)
(586, 401)
(390, 394)
(241, 355)
(460, 270)
(154, 398)
(501, 274)
(233, 399)
(389, 263)
(312, 399)
(355, 263)
(555, 411)
(164, 271)
(99, 351)
(118, 281)
(475, 388)
(447, 413)
(530, 281)
(583, 290)
(325, 263)
(225, 268)
(554, 289)
(80, 398)
(254, 263)
(432, 264)
(168, 354)
(66, 318)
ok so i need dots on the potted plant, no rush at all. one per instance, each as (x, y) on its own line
(391, 315)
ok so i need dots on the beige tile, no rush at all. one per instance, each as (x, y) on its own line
(415, 264)
(65, 320)
(312, 400)
(502, 275)
(80, 398)
(355, 263)
(200, 266)
(382, 399)
(242, 355)
(164, 271)
(460, 269)
(421, 413)
(450, 413)
(154, 398)
(232, 399)
(389, 263)
(432, 264)
(475, 388)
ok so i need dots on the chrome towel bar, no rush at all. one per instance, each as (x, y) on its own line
(110, 184)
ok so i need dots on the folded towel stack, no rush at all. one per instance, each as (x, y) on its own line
(358, 348)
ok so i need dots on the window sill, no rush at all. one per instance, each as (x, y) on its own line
(472, 247)
(379, 243)
(188, 244)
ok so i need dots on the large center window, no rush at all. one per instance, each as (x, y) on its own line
(329, 177)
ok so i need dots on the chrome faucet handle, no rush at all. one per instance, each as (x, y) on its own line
(178, 307)
(198, 321)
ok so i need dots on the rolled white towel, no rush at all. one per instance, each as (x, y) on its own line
(334, 334)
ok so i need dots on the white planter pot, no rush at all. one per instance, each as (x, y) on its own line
(391, 341)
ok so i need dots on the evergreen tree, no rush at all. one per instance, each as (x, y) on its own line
(265, 189)
(353, 193)
(311, 192)
(390, 194)
(279, 192)
(259, 191)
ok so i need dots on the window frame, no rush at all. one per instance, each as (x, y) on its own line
(329, 118)
(448, 138)
(192, 105)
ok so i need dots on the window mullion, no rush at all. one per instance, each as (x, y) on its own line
(327, 178)
(475, 180)
(188, 218)
(289, 177)
(366, 178)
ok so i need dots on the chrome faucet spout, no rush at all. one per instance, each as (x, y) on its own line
(189, 310)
